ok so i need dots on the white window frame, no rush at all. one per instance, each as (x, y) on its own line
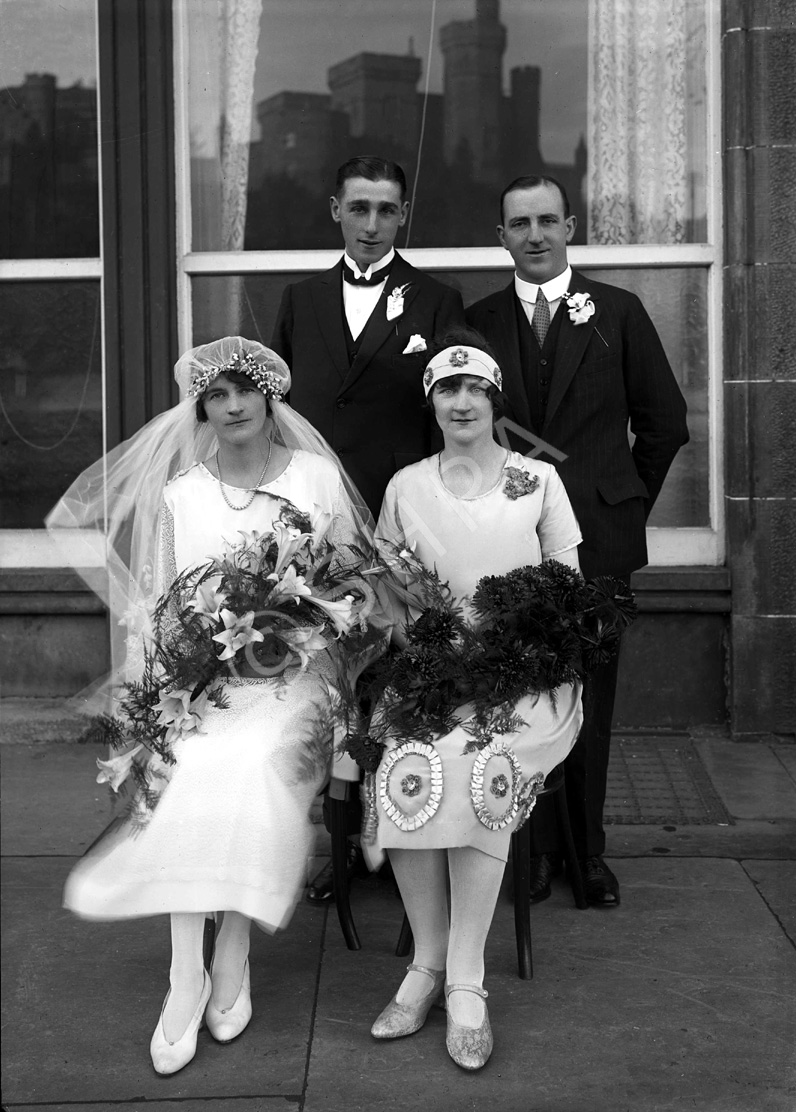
(667, 547)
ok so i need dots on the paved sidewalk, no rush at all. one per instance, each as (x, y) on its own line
(682, 998)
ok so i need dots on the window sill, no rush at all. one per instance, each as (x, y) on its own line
(658, 589)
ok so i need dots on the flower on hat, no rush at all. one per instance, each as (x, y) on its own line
(458, 357)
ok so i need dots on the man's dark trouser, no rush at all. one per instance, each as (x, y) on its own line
(586, 770)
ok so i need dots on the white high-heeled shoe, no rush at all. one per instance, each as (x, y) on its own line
(225, 1024)
(169, 1057)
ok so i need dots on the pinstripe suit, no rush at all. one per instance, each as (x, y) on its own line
(607, 373)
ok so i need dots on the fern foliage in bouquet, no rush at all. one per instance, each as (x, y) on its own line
(270, 603)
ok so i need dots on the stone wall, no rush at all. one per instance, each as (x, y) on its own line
(759, 83)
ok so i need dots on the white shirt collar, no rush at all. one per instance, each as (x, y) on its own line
(385, 261)
(553, 290)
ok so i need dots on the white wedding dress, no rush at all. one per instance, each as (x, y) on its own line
(232, 828)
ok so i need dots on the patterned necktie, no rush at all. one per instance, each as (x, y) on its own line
(541, 317)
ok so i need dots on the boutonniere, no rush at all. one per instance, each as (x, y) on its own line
(519, 483)
(416, 344)
(580, 306)
(395, 301)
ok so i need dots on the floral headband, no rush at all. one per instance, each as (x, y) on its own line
(462, 361)
(271, 383)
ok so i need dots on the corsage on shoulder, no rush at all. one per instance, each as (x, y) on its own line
(518, 483)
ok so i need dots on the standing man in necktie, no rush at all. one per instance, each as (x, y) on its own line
(582, 363)
(355, 337)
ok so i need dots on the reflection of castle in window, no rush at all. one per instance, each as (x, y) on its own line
(48, 169)
(472, 129)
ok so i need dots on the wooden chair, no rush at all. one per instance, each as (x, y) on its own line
(338, 795)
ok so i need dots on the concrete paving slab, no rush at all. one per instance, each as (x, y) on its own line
(762, 838)
(220, 1104)
(52, 804)
(786, 755)
(681, 998)
(776, 882)
(749, 779)
(80, 1002)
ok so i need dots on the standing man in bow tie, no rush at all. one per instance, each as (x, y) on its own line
(581, 362)
(355, 337)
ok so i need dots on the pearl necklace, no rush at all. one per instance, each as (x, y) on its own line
(253, 489)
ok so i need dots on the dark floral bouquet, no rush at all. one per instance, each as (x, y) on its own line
(269, 603)
(534, 629)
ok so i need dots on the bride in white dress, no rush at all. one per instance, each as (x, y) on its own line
(231, 831)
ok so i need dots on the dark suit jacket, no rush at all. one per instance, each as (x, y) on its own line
(607, 372)
(372, 412)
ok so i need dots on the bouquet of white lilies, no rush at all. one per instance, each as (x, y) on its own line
(263, 609)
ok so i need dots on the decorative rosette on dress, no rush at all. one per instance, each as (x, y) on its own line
(410, 784)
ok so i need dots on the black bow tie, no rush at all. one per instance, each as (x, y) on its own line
(376, 277)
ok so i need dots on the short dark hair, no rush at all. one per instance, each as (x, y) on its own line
(531, 181)
(373, 168)
(464, 336)
(461, 335)
(238, 378)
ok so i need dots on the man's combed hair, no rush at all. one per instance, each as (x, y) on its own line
(372, 168)
(531, 181)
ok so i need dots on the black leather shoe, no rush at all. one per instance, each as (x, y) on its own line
(602, 887)
(321, 890)
(543, 868)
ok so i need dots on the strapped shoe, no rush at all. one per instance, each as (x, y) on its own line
(469, 1047)
(602, 887)
(398, 1020)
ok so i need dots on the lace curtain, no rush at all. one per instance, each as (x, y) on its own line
(646, 121)
(223, 38)
(239, 36)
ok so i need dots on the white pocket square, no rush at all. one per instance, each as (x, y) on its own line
(415, 345)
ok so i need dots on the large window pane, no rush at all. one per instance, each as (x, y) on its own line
(608, 97)
(49, 196)
(676, 299)
(232, 305)
(50, 393)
